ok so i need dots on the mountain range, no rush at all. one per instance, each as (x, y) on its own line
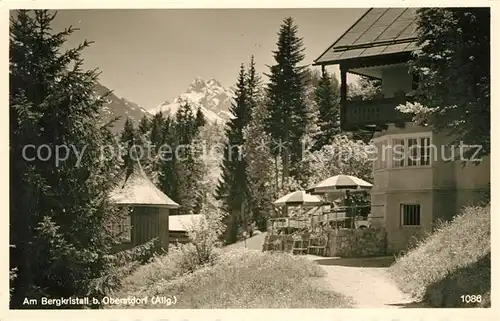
(213, 99)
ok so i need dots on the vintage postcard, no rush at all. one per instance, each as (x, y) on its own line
(166, 161)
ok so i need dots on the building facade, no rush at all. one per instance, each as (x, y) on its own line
(149, 210)
(416, 182)
(178, 226)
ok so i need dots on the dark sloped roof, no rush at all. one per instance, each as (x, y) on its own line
(379, 31)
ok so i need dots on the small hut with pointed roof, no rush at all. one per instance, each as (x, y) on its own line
(149, 208)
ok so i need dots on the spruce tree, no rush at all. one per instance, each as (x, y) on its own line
(257, 153)
(59, 209)
(168, 180)
(144, 125)
(233, 186)
(157, 136)
(454, 75)
(143, 143)
(253, 85)
(128, 139)
(262, 189)
(156, 139)
(200, 118)
(327, 99)
(288, 115)
(188, 165)
(185, 123)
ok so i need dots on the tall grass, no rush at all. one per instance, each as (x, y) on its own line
(236, 279)
(201, 275)
(453, 261)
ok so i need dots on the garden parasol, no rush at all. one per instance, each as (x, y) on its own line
(341, 184)
(299, 198)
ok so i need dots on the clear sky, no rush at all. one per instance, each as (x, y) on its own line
(149, 56)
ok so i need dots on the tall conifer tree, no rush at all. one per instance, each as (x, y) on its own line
(128, 138)
(200, 118)
(59, 210)
(144, 125)
(233, 185)
(189, 164)
(327, 99)
(258, 154)
(168, 180)
(288, 115)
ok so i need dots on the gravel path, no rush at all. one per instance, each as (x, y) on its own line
(365, 280)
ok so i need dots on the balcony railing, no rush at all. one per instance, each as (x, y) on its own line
(373, 113)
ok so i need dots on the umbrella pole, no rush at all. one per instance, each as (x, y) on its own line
(332, 206)
(349, 211)
(287, 220)
(245, 224)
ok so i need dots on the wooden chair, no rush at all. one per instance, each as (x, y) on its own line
(269, 242)
(278, 245)
(300, 244)
(318, 245)
(288, 244)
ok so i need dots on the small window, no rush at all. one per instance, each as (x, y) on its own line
(425, 152)
(398, 152)
(413, 152)
(382, 157)
(379, 164)
(410, 214)
(123, 230)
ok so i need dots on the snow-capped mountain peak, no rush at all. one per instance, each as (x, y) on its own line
(197, 85)
(213, 83)
(210, 96)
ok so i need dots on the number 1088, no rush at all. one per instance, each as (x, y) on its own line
(471, 298)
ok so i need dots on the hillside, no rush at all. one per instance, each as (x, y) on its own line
(119, 107)
(454, 261)
(210, 96)
(232, 280)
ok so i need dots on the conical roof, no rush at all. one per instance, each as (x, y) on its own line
(138, 190)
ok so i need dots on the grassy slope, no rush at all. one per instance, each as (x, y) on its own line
(453, 261)
(238, 279)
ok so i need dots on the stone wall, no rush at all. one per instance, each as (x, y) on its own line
(357, 242)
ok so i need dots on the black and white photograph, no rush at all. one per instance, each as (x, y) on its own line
(249, 158)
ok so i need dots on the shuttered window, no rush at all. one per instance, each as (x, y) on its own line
(410, 214)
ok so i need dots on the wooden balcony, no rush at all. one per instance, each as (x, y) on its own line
(373, 115)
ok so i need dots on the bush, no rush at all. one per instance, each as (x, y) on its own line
(205, 233)
(453, 261)
(180, 260)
